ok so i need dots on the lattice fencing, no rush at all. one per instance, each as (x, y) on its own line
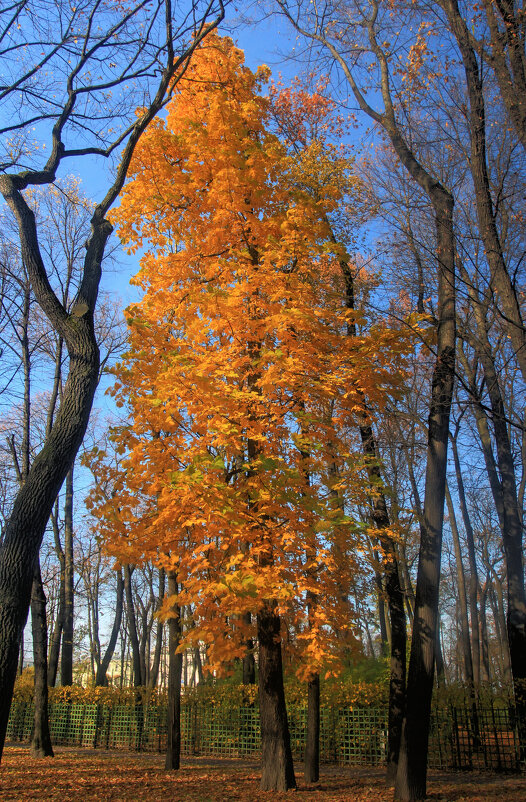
(459, 739)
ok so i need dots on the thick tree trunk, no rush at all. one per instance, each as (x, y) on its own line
(33, 504)
(41, 738)
(173, 748)
(277, 767)
(312, 745)
(102, 668)
(66, 662)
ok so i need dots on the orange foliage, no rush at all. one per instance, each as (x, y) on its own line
(241, 383)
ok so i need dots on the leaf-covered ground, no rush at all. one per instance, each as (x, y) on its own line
(84, 774)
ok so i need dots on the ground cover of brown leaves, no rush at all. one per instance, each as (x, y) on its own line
(83, 774)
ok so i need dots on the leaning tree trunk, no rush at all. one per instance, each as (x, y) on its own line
(173, 747)
(40, 738)
(276, 755)
(33, 504)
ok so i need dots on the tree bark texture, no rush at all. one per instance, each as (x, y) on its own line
(312, 745)
(40, 739)
(173, 747)
(154, 673)
(276, 755)
(66, 662)
(132, 629)
(412, 769)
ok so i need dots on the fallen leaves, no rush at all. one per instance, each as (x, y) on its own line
(85, 775)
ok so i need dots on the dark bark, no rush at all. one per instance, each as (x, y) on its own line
(277, 766)
(312, 745)
(500, 628)
(473, 571)
(40, 738)
(66, 662)
(484, 647)
(173, 748)
(506, 56)
(499, 276)
(462, 597)
(393, 588)
(154, 671)
(412, 770)
(501, 283)
(32, 507)
(102, 668)
(504, 489)
(21, 657)
(249, 663)
(138, 679)
(395, 599)
(56, 637)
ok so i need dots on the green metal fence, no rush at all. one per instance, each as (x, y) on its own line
(458, 738)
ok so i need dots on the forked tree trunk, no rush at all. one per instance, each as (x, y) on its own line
(277, 767)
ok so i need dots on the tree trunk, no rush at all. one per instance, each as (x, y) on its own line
(249, 663)
(100, 676)
(154, 673)
(462, 597)
(41, 738)
(132, 628)
(312, 745)
(393, 589)
(173, 748)
(66, 662)
(412, 768)
(277, 767)
(473, 571)
(24, 531)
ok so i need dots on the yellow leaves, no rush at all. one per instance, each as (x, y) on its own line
(242, 383)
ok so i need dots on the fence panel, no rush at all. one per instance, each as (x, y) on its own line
(460, 737)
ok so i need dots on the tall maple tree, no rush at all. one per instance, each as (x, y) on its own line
(242, 384)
